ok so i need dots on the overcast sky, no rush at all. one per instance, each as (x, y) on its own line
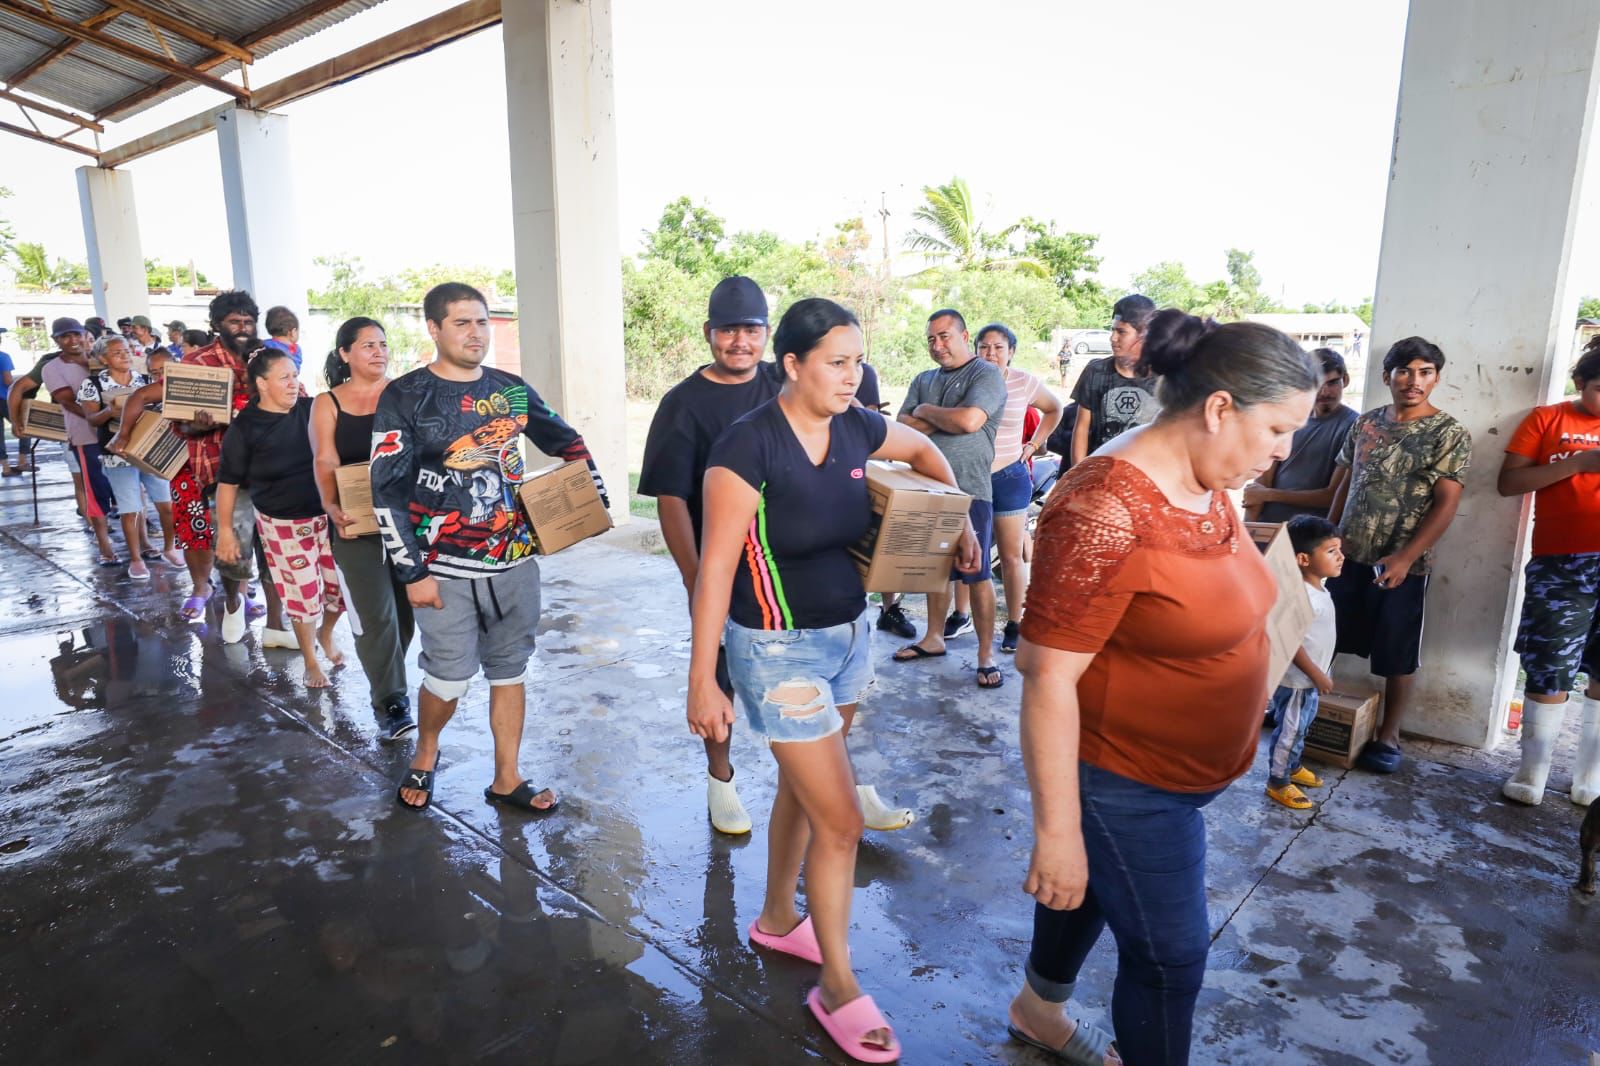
(1172, 129)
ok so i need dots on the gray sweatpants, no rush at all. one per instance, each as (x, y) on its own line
(487, 622)
(380, 614)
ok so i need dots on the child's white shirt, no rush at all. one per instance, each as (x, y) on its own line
(1319, 641)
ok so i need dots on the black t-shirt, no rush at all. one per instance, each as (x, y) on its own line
(867, 392)
(796, 571)
(690, 419)
(271, 455)
(1115, 403)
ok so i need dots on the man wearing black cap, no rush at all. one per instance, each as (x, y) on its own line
(689, 420)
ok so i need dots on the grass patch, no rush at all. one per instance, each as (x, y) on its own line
(640, 506)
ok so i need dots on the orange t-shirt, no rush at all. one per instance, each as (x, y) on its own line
(1566, 515)
(1174, 607)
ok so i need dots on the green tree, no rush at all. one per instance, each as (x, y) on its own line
(33, 270)
(159, 275)
(1589, 307)
(951, 234)
(688, 236)
(1169, 285)
(350, 293)
(8, 236)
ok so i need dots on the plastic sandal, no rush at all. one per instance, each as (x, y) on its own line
(194, 608)
(986, 672)
(800, 942)
(850, 1023)
(1087, 1046)
(422, 781)
(521, 798)
(912, 652)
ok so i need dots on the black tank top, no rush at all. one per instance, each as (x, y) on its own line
(352, 435)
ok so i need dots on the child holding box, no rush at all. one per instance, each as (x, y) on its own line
(1294, 703)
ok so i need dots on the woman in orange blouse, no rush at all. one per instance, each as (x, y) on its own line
(1144, 664)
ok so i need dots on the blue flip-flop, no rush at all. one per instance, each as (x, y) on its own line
(1380, 758)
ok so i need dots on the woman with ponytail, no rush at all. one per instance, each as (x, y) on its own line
(341, 434)
(1144, 664)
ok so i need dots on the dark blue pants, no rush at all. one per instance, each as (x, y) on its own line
(1147, 881)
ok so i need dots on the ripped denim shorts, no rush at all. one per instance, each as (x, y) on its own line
(792, 681)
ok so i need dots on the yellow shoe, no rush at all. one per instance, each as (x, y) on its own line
(1306, 778)
(1291, 797)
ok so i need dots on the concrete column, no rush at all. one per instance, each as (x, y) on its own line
(1496, 105)
(258, 183)
(111, 233)
(559, 104)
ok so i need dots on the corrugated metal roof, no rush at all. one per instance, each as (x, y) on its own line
(99, 82)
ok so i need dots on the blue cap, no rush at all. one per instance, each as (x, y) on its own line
(62, 326)
(737, 301)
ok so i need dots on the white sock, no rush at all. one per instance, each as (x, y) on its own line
(1541, 726)
(1586, 766)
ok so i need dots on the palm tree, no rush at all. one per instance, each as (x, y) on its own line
(33, 267)
(953, 235)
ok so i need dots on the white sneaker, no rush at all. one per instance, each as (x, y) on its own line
(279, 638)
(879, 815)
(233, 622)
(727, 813)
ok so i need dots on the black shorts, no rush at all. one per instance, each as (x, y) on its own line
(1382, 625)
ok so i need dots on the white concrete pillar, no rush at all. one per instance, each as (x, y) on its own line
(258, 183)
(111, 234)
(560, 104)
(1496, 106)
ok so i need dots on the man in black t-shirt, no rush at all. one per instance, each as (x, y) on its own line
(1112, 395)
(692, 415)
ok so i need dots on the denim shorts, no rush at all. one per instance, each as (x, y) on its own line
(981, 512)
(1012, 488)
(813, 670)
(126, 482)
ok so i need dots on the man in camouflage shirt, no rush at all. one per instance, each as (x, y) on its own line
(1397, 486)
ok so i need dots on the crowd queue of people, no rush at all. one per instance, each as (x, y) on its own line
(1142, 651)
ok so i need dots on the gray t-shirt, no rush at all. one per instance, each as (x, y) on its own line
(61, 374)
(1310, 462)
(975, 384)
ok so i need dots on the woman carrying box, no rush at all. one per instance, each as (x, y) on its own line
(268, 448)
(785, 498)
(341, 435)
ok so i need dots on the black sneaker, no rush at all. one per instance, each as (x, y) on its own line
(891, 619)
(957, 624)
(397, 721)
(1008, 642)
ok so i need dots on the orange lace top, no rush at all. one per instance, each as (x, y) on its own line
(1173, 606)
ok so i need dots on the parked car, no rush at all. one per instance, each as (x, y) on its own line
(1097, 341)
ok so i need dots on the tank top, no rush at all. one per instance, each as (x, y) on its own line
(352, 435)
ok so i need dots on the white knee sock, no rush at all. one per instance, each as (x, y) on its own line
(1541, 725)
(1586, 766)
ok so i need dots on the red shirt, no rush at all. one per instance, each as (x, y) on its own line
(1566, 515)
(1173, 605)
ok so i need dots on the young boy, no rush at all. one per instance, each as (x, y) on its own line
(1294, 704)
(1396, 492)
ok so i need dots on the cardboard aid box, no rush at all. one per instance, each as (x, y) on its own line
(355, 499)
(911, 540)
(156, 447)
(187, 390)
(1290, 617)
(43, 420)
(563, 506)
(1345, 721)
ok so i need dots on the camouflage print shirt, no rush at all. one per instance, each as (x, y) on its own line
(1393, 468)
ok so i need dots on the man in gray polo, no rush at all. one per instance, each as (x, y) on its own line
(958, 405)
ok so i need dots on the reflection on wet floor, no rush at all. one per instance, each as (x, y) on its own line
(201, 861)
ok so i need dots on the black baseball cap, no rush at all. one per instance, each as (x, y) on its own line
(737, 301)
(62, 326)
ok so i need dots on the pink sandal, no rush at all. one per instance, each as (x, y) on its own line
(851, 1023)
(801, 941)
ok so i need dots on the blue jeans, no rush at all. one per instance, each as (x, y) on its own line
(821, 669)
(1147, 881)
(1295, 709)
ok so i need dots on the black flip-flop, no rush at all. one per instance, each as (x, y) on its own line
(917, 652)
(521, 798)
(422, 781)
(113, 561)
(990, 671)
(149, 555)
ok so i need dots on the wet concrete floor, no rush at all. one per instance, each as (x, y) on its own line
(200, 861)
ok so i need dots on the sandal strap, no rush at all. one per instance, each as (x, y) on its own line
(1088, 1044)
(421, 780)
(859, 1017)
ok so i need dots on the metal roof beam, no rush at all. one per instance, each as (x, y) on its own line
(249, 40)
(460, 21)
(122, 48)
(22, 131)
(184, 30)
(63, 48)
(45, 109)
